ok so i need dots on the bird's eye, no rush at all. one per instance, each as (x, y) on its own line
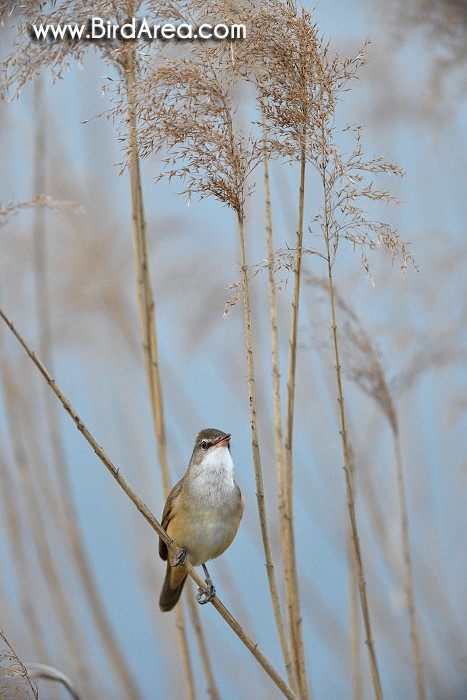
(205, 444)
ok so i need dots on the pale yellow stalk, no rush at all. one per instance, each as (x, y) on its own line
(146, 308)
(350, 497)
(277, 409)
(255, 442)
(343, 432)
(357, 689)
(290, 566)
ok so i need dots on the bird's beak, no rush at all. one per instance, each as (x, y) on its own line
(222, 442)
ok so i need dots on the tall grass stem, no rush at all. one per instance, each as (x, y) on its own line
(290, 565)
(278, 432)
(146, 308)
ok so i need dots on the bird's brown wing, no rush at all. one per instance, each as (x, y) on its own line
(167, 517)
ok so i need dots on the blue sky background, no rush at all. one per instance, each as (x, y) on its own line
(194, 257)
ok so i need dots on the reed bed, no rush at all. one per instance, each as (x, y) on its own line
(329, 564)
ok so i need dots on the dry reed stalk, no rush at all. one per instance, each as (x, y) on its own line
(254, 436)
(149, 517)
(288, 82)
(70, 524)
(255, 449)
(238, 180)
(239, 177)
(203, 649)
(290, 566)
(146, 308)
(311, 110)
(331, 229)
(276, 398)
(146, 304)
(366, 370)
(349, 487)
(357, 689)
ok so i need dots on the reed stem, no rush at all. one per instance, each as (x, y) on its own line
(278, 433)
(290, 565)
(350, 497)
(254, 439)
(148, 331)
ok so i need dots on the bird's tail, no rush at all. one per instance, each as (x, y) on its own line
(172, 588)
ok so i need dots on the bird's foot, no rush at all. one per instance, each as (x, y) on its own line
(180, 559)
(206, 594)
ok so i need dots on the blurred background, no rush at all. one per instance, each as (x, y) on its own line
(67, 282)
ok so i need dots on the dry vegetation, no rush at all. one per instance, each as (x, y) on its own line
(230, 122)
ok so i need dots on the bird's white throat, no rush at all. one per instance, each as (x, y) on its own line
(218, 462)
(215, 473)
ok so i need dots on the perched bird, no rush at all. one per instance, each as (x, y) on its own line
(201, 515)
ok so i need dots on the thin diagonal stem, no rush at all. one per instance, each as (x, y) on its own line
(149, 517)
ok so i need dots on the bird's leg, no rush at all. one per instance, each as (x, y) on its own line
(180, 558)
(206, 594)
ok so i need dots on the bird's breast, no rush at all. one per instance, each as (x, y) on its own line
(209, 513)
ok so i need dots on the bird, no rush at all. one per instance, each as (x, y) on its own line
(201, 515)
